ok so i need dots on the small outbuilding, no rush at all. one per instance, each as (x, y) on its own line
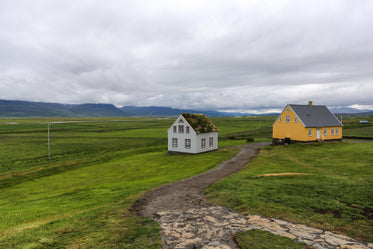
(192, 134)
(306, 123)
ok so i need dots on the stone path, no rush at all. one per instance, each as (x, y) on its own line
(187, 221)
(213, 227)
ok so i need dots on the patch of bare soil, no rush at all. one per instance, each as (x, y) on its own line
(283, 174)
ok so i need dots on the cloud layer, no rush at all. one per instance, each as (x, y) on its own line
(188, 54)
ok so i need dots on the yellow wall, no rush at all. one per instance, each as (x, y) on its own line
(296, 130)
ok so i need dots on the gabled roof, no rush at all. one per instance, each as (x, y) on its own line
(315, 115)
(200, 123)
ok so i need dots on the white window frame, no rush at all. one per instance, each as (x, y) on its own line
(336, 131)
(280, 120)
(188, 143)
(174, 142)
(333, 132)
(287, 118)
(325, 132)
(203, 142)
(181, 129)
(175, 129)
(211, 141)
(310, 132)
(187, 129)
(295, 120)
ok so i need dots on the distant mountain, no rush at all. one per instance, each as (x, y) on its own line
(9, 108)
(166, 111)
(348, 110)
(96, 110)
(12, 108)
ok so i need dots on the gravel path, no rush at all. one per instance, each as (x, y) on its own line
(187, 221)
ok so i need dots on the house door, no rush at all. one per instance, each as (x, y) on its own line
(318, 133)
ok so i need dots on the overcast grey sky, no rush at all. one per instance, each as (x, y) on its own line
(213, 54)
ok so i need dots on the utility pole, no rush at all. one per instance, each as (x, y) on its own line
(49, 144)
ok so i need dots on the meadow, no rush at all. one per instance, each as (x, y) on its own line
(82, 196)
(330, 187)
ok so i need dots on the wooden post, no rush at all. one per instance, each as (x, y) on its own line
(49, 148)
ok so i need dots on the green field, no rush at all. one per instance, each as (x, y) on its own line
(352, 127)
(81, 197)
(332, 190)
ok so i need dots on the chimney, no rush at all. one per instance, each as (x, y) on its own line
(310, 103)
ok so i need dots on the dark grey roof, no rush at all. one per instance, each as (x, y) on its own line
(315, 115)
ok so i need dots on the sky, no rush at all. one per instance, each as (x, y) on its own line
(239, 55)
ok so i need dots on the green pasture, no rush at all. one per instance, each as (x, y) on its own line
(82, 196)
(333, 189)
(352, 127)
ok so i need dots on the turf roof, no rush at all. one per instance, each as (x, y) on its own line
(200, 123)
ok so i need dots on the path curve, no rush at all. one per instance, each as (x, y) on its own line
(187, 221)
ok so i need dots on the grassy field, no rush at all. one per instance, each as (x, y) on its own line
(352, 127)
(332, 189)
(81, 197)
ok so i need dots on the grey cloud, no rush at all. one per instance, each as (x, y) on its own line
(200, 54)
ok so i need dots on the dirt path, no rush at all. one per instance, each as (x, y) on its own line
(187, 221)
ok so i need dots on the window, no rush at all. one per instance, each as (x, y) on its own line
(175, 129)
(287, 119)
(187, 143)
(181, 128)
(336, 131)
(325, 132)
(203, 143)
(174, 142)
(310, 132)
(287, 110)
(187, 129)
(181, 121)
(280, 119)
(332, 131)
(295, 120)
(211, 141)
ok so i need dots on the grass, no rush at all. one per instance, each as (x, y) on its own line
(258, 239)
(335, 193)
(352, 127)
(82, 196)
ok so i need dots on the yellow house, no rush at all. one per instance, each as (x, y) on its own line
(306, 123)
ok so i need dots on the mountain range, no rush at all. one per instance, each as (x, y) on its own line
(14, 108)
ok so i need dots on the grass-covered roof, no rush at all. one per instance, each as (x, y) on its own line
(200, 123)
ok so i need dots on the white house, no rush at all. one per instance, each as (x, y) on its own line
(192, 133)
